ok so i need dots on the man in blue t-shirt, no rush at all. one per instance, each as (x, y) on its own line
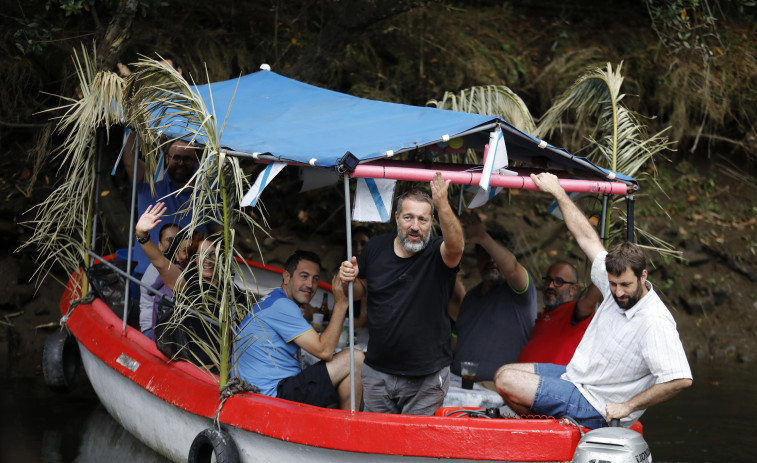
(409, 278)
(180, 164)
(265, 349)
(496, 317)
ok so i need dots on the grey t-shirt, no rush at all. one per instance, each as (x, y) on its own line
(493, 328)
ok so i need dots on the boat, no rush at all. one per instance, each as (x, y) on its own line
(167, 405)
(178, 409)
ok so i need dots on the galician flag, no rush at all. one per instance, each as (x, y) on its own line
(373, 200)
(264, 178)
(495, 157)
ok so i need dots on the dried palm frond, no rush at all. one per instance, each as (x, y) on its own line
(158, 99)
(63, 222)
(617, 139)
(492, 100)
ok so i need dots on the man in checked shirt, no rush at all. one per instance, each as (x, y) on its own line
(631, 356)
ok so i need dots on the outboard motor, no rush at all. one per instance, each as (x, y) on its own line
(612, 445)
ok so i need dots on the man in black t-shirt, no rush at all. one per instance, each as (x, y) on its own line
(409, 279)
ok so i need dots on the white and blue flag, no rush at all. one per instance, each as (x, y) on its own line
(264, 178)
(373, 200)
(495, 157)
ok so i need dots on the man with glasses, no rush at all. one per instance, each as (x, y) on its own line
(631, 356)
(559, 329)
(180, 163)
(497, 315)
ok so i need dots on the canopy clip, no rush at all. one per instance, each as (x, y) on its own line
(312, 162)
(542, 144)
(445, 138)
(389, 153)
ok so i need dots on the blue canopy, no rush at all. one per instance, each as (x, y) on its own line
(296, 122)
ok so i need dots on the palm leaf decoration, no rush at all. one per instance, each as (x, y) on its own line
(609, 133)
(151, 100)
(616, 137)
(63, 222)
(492, 100)
(158, 99)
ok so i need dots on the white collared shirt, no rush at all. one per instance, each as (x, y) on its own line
(625, 352)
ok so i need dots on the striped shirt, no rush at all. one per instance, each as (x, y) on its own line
(625, 352)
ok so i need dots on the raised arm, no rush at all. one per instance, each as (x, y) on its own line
(575, 220)
(587, 303)
(452, 232)
(169, 272)
(129, 153)
(323, 345)
(508, 264)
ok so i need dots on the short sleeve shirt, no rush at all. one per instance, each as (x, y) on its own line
(264, 348)
(407, 307)
(492, 328)
(555, 338)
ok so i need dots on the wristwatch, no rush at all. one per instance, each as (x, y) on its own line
(143, 239)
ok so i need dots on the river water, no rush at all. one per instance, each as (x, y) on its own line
(713, 421)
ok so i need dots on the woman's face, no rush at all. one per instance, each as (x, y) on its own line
(206, 260)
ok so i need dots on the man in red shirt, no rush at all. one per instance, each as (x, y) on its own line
(559, 329)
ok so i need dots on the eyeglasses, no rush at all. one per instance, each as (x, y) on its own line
(557, 281)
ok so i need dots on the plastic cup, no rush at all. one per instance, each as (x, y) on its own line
(468, 372)
(318, 319)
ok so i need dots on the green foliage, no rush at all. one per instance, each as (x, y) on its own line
(687, 25)
(40, 23)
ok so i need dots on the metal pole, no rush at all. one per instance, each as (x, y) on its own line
(350, 311)
(127, 296)
(602, 221)
(630, 200)
(97, 192)
(460, 202)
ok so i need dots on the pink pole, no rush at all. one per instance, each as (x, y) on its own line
(523, 182)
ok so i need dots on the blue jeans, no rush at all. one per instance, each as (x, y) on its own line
(559, 398)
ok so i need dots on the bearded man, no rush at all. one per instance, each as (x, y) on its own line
(560, 328)
(408, 279)
(497, 315)
(630, 357)
(174, 189)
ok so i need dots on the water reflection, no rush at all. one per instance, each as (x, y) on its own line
(104, 440)
(709, 422)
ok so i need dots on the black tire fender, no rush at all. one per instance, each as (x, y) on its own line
(212, 441)
(60, 362)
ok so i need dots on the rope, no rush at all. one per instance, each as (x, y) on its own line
(235, 385)
(86, 299)
(569, 420)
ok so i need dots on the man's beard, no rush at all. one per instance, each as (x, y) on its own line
(413, 247)
(180, 177)
(632, 299)
(558, 299)
(492, 278)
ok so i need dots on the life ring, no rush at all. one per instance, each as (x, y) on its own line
(212, 441)
(60, 362)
